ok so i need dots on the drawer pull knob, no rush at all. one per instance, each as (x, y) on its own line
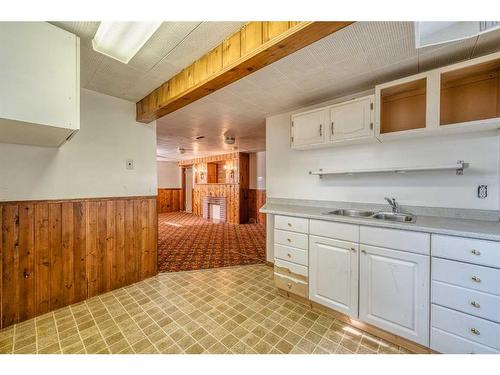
(475, 252)
(289, 255)
(475, 331)
(475, 304)
(289, 240)
(476, 279)
(289, 224)
(289, 285)
(363, 251)
(353, 249)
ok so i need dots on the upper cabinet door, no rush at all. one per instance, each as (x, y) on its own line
(309, 128)
(394, 292)
(352, 120)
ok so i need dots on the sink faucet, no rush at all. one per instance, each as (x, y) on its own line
(394, 205)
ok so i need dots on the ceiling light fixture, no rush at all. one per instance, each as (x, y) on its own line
(122, 40)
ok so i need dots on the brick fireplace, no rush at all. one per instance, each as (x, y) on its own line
(208, 208)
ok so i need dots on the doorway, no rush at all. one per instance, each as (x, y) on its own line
(188, 196)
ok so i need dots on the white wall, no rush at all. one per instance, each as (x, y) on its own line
(258, 170)
(169, 175)
(287, 170)
(92, 164)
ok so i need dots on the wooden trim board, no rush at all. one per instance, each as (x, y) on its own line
(253, 47)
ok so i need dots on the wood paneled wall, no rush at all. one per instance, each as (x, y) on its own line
(55, 253)
(256, 199)
(169, 200)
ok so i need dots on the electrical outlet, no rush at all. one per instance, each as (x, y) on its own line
(129, 164)
(482, 191)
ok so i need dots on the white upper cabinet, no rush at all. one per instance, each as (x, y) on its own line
(344, 123)
(39, 83)
(462, 97)
(309, 128)
(352, 120)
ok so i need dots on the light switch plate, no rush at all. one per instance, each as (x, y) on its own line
(482, 191)
(129, 164)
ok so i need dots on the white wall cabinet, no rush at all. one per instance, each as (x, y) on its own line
(333, 270)
(352, 120)
(309, 128)
(394, 292)
(39, 83)
(344, 123)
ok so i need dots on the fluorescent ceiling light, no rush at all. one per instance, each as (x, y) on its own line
(432, 33)
(122, 40)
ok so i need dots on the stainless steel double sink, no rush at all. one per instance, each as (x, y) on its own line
(388, 216)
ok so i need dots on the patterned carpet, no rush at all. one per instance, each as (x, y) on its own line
(188, 242)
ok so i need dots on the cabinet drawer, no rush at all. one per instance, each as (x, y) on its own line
(290, 269)
(287, 238)
(467, 275)
(291, 254)
(469, 301)
(469, 327)
(291, 285)
(414, 242)
(339, 231)
(447, 343)
(294, 224)
(486, 253)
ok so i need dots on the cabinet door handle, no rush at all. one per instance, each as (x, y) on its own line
(476, 279)
(475, 252)
(332, 127)
(289, 240)
(289, 255)
(475, 331)
(289, 224)
(475, 304)
(363, 251)
(353, 249)
(320, 130)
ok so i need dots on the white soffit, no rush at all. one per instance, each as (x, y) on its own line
(351, 60)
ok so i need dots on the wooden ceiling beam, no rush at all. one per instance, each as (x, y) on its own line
(253, 47)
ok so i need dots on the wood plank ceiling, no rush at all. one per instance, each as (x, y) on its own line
(255, 46)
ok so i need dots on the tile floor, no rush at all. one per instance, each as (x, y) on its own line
(225, 310)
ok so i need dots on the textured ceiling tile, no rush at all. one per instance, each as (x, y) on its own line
(85, 30)
(392, 72)
(487, 43)
(447, 54)
(372, 34)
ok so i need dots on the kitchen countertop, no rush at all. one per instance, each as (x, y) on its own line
(482, 229)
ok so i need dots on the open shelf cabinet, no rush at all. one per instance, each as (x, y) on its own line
(471, 93)
(403, 106)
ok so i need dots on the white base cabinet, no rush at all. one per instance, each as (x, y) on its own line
(333, 270)
(394, 292)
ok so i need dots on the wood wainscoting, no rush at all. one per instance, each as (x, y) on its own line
(55, 253)
(169, 200)
(256, 199)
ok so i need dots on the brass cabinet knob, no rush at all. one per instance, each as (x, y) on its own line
(289, 224)
(475, 331)
(475, 304)
(353, 249)
(476, 279)
(289, 240)
(289, 286)
(363, 251)
(289, 255)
